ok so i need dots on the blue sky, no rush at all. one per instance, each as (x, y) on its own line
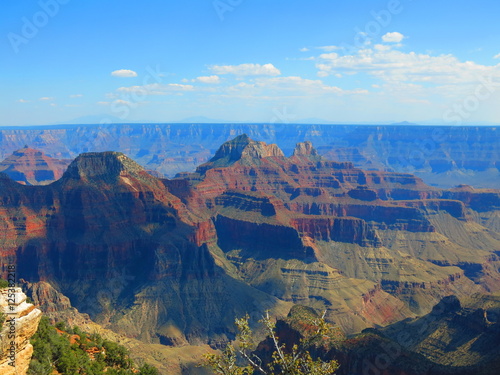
(349, 61)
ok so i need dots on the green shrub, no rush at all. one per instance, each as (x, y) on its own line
(53, 351)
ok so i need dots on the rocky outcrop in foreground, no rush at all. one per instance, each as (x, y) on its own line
(21, 323)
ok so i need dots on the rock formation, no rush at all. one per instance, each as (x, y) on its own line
(32, 167)
(442, 155)
(21, 323)
(175, 261)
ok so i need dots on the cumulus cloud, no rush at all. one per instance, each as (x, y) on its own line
(396, 66)
(292, 86)
(393, 37)
(208, 79)
(497, 56)
(76, 96)
(304, 49)
(246, 70)
(23, 101)
(155, 89)
(329, 56)
(124, 73)
(46, 98)
(329, 48)
(382, 47)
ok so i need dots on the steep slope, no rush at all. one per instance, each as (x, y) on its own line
(386, 227)
(450, 340)
(113, 239)
(168, 360)
(175, 261)
(465, 337)
(32, 167)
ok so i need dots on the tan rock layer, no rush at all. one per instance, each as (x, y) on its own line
(20, 325)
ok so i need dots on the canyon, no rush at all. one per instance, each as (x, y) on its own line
(443, 156)
(175, 261)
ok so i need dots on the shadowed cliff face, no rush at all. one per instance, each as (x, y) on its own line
(170, 261)
(113, 239)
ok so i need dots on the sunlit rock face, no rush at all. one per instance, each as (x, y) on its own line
(21, 323)
(32, 167)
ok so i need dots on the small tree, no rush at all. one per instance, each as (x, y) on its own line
(296, 361)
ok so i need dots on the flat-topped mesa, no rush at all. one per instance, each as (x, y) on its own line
(96, 164)
(305, 149)
(243, 149)
(105, 166)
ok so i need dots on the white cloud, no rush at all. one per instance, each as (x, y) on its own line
(154, 89)
(76, 96)
(329, 48)
(46, 98)
(396, 66)
(382, 47)
(329, 56)
(304, 49)
(124, 73)
(53, 104)
(393, 37)
(208, 79)
(497, 56)
(246, 70)
(23, 101)
(123, 102)
(277, 87)
(103, 103)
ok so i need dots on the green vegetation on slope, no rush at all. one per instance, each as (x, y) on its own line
(71, 352)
